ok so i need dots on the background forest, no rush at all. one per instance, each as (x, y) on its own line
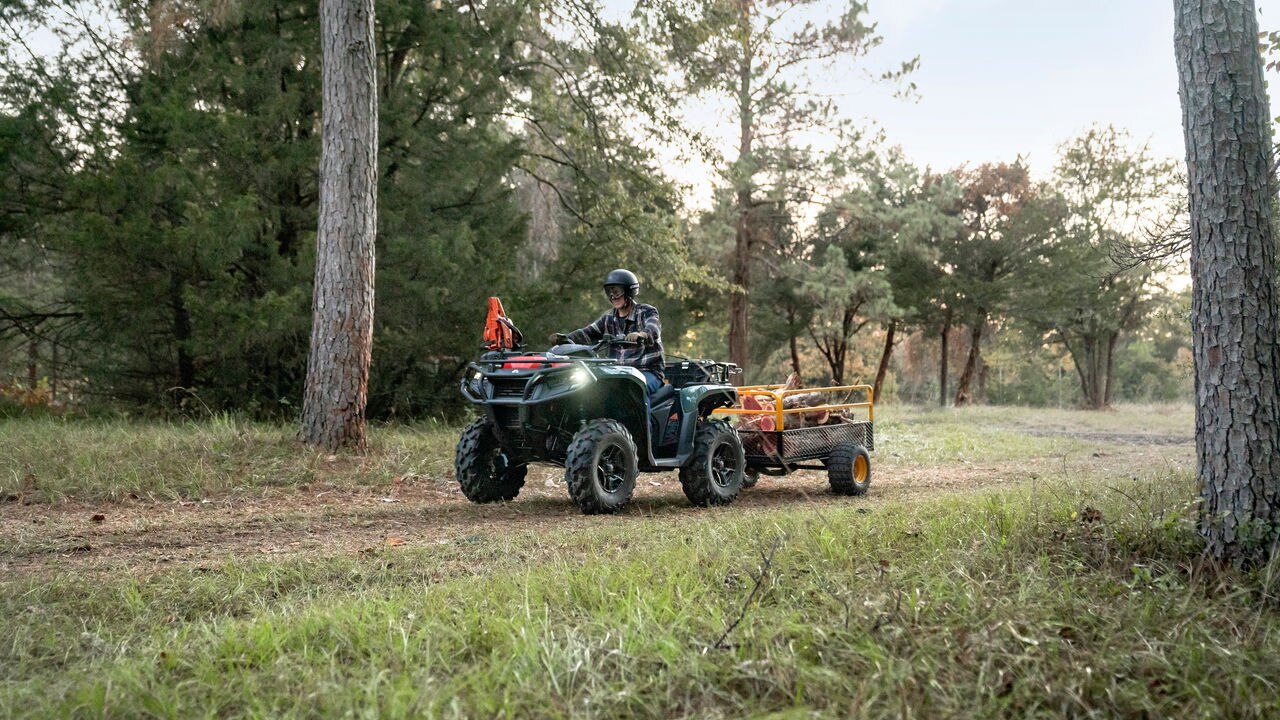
(159, 205)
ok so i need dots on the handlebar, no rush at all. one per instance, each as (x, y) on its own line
(619, 340)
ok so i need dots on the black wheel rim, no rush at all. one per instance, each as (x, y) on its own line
(498, 464)
(611, 469)
(722, 466)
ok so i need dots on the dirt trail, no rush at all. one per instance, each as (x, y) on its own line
(142, 536)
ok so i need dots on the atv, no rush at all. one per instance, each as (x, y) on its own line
(574, 407)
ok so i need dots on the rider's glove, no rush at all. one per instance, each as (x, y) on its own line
(639, 337)
(557, 338)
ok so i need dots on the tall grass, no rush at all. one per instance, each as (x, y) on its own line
(52, 459)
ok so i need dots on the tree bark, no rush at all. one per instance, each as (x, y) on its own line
(1226, 124)
(883, 368)
(942, 361)
(963, 395)
(186, 367)
(742, 243)
(333, 412)
(33, 361)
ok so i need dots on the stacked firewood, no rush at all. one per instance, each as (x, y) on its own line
(762, 442)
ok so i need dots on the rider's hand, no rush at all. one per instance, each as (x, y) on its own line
(557, 338)
(637, 337)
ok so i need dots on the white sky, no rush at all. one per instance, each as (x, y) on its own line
(1002, 78)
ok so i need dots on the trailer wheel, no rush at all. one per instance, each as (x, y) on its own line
(600, 468)
(849, 469)
(483, 469)
(750, 477)
(714, 474)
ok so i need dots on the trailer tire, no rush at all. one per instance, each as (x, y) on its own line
(714, 474)
(600, 467)
(849, 469)
(483, 469)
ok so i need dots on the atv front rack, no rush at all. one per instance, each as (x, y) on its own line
(777, 439)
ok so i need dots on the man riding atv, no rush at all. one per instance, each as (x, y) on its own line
(636, 322)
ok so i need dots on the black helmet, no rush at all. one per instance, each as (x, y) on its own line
(625, 278)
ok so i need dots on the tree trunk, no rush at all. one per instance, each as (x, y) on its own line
(1107, 367)
(963, 395)
(1226, 123)
(186, 377)
(742, 242)
(883, 368)
(333, 411)
(795, 345)
(33, 361)
(942, 361)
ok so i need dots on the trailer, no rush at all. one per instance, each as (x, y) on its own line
(784, 429)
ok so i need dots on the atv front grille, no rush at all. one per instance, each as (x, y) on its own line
(773, 447)
(506, 416)
(510, 389)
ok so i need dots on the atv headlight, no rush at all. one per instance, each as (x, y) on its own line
(580, 376)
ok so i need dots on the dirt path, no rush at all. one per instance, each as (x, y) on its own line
(142, 536)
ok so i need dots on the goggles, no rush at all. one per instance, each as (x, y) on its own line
(613, 292)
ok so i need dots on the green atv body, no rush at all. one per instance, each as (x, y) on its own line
(594, 417)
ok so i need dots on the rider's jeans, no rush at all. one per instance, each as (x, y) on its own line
(652, 381)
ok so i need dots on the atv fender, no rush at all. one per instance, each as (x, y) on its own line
(696, 403)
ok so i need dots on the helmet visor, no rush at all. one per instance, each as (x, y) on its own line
(613, 292)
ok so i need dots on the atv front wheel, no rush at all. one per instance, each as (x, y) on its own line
(483, 469)
(849, 469)
(714, 475)
(600, 467)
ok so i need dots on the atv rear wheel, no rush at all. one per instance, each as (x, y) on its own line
(849, 469)
(600, 467)
(714, 474)
(483, 469)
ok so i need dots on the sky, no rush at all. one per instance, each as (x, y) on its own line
(1004, 78)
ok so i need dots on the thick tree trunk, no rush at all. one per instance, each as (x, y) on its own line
(963, 394)
(1090, 366)
(742, 242)
(1225, 116)
(333, 411)
(738, 302)
(883, 368)
(942, 360)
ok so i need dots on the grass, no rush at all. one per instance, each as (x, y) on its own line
(53, 459)
(50, 459)
(1071, 596)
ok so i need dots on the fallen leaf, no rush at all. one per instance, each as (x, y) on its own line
(331, 458)
(398, 480)
(98, 517)
(655, 483)
(884, 563)
(393, 541)
(389, 499)
(1091, 515)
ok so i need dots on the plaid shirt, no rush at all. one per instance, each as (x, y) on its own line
(643, 318)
